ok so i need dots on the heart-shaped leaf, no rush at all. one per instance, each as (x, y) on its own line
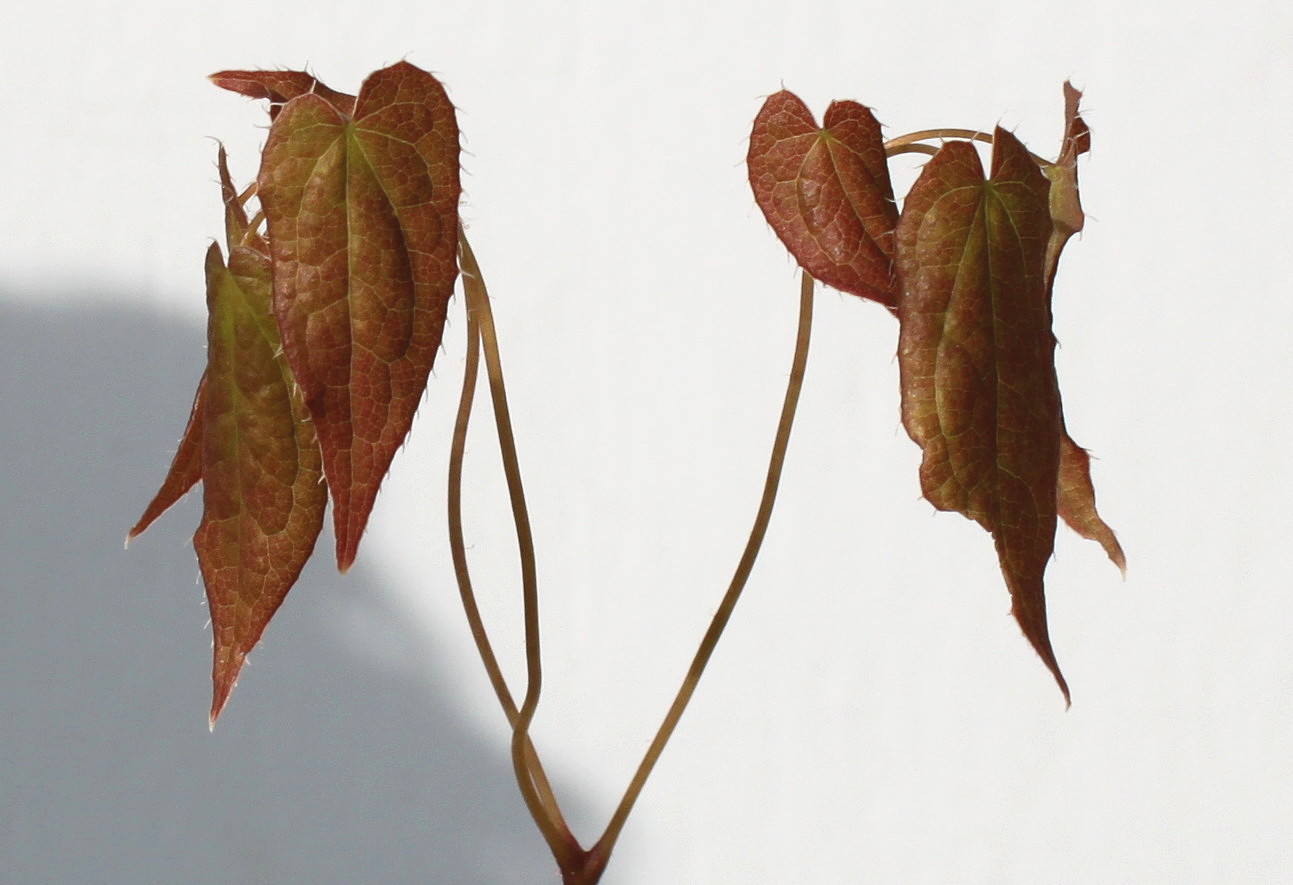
(826, 192)
(976, 358)
(362, 213)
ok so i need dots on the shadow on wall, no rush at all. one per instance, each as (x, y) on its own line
(326, 767)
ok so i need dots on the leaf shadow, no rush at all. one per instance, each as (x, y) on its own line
(328, 766)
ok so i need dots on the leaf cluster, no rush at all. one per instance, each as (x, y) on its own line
(322, 331)
(327, 305)
(968, 267)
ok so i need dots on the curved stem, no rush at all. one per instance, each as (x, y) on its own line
(600, 853)
(911, 149)
(908, 144)
(892, 144)
(531, 779)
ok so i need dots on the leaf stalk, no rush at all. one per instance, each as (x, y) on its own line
(535, 788)
(601, 851)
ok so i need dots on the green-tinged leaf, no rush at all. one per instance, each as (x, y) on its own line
(362, 215)
(263, 494)
(1065, 204)
(280, 87)
(976, 358)
(826, 192)
(186, 467)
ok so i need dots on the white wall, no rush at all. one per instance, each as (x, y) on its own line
(873, 714)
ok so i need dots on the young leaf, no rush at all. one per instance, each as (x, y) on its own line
(1077, 501)
(362, 214)
(1065, 204)
(1076, 492)
(976, 358)
(263, 495)
(826, 192)
(250, 442)
(186, 466)
(280, 87)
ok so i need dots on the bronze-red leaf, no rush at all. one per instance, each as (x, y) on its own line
(263, 495)
(826, 192)
(976, 358)
(280, 87)
(362, 215)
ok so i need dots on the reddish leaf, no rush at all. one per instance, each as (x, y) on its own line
(237, 229)
(1065, 204)
(826, 192)
(280, 87)
(1076, 492)
(362, 215)
(976, 358)
(1077, 501)
(263, 495)
(186, 467)
(250, 441)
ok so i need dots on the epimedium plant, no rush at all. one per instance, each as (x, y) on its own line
(327, 306)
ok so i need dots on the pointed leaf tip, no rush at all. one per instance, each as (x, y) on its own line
(1077, 502)
(362, 215)
(826, 192)
(185, 470)
(976, 358)
(280, 87)
(263, 498)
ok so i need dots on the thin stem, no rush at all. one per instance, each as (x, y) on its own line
(600, 853)
(531, 779)
(912, 149)
(458, 549)
(907, 144)
(892, 144)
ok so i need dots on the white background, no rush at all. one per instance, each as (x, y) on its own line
(873, 713)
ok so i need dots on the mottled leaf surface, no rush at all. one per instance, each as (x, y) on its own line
(263, 495)
(976, 358)
(250, 442)
(362, 218)
(826, 192)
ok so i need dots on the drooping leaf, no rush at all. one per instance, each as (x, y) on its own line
(250, 441)
(362, 214)
(826, 192)
(263, 495)
(280, 87)
(976, 358)
(1076, 492)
